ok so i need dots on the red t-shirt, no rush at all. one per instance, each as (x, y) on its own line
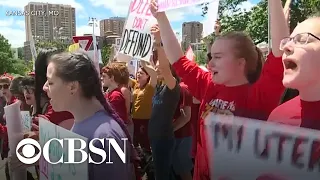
(250, 100)
(118, 102)
(297, 112)
(185, 100)
(57, 117)
(194, 127)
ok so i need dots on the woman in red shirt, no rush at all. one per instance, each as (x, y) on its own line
(301, 72)
(113, 76)
(237, 84)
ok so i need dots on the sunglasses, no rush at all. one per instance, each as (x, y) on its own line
(4, 86)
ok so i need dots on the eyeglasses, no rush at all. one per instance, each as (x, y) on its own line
(4, 86)
(299, 39)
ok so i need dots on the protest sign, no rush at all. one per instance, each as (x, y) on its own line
(164, 5)
(211, 18)
(136, 40)
(61, 171)
(15, 135)
(251, 149)
(26, 121)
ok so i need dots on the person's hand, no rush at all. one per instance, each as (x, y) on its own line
(154, 9)
(15, 164)
(155, 30)
(31, 134)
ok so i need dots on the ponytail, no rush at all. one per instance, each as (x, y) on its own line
(254, 76)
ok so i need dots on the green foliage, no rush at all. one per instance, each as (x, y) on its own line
(20, 53)
(255, 21)
(106, 53)
(7, 62)
(201, 57)
(19, 67)
(53, 44)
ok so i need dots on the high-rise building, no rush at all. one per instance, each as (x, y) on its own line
(191, 32)
(27, 51)
(112, 26)
(57, 22)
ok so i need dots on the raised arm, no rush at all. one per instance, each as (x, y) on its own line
(164, 65)
(286, 11)
(170, 42)
(278, 26)
(193, 76)
(270, 83)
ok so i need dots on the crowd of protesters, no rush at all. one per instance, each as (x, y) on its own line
(162, 110)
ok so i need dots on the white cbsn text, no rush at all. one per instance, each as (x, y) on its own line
(28, 150)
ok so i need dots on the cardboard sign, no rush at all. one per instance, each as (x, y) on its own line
(255, 150)
(137, 40)
(60, 171)
(164, 5)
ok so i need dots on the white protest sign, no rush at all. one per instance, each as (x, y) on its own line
(26, 121)
(137, 40)
(211, 18)
(255, 150)
(15, 135)
(164, 5)
(61, 171)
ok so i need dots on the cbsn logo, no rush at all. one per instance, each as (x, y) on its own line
(30, 156)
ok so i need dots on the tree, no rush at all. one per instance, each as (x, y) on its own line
(5, 55)
(53, 44)
(19, 66)
(201, 57)
(106, 53)
(255, 21)
(20, 53)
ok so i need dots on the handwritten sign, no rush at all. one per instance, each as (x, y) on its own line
(251, 149)
(61, 171)
(15, 134)
(26, 121)
(137, 40)
(164, 5)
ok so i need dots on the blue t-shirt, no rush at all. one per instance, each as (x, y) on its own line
(101, 125)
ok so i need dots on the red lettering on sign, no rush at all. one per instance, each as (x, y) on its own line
(141, 7)
(139, 23)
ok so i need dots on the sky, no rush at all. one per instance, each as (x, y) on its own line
(13, 27)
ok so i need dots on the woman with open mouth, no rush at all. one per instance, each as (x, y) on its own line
(301, 62)
(238, 83)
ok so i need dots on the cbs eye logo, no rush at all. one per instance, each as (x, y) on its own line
(28, 151)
